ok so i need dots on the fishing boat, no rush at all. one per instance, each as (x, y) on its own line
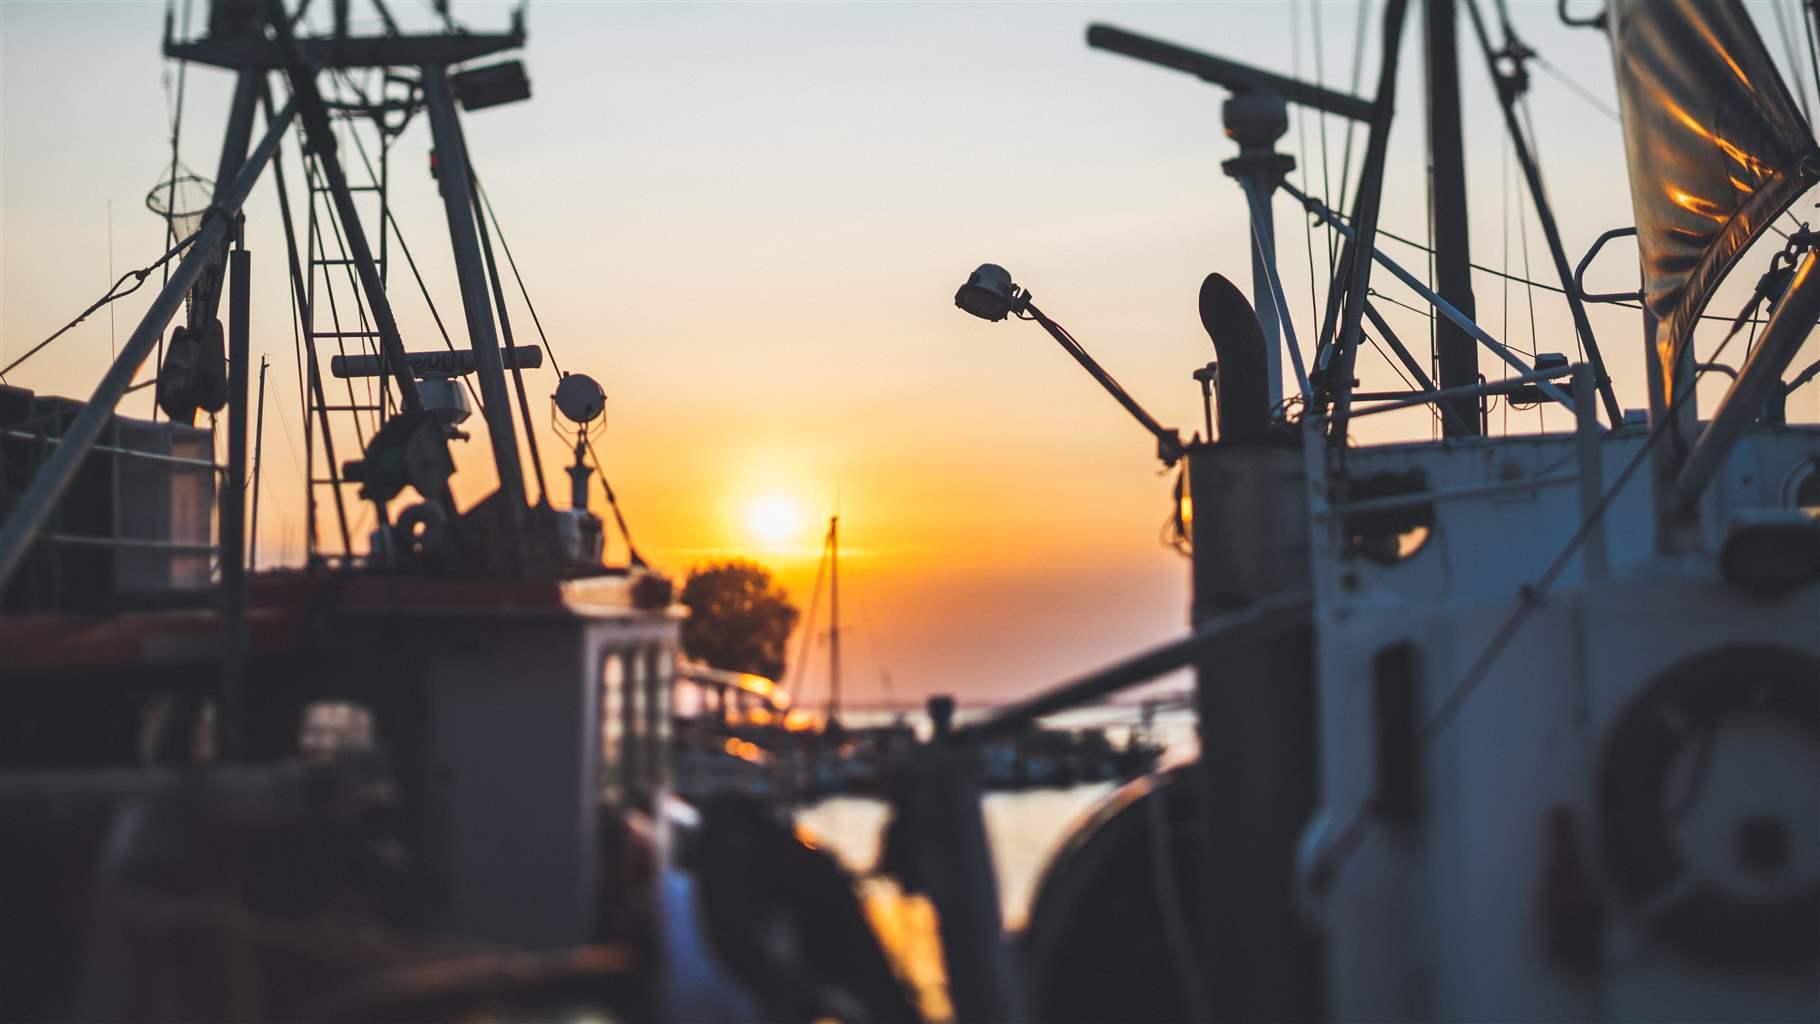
(1493, 726)
(428, 773)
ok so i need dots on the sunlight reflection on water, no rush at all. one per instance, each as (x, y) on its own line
(1024, 829)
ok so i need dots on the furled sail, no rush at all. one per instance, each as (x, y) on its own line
(1717, 150)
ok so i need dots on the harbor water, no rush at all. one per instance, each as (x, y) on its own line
(1024, 826)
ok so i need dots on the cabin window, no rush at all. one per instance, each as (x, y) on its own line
(659, 715)
(633, 726)
(331, 728)
(1387, 531)
(612, 726)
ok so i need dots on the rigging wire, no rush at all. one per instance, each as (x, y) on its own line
(1301, 125)
(1576, 88)
(506, 247)
(1504, 284)
(1794, 63)
(170, 206)
(1495, 272)
(632, 556)
(391, 222)
(505, 330)
(1320, 77)
(1535, 149)
(802, 647)
(1358, 70)
(1351, 835)
(1073, 348)
(113, 294)
(1813, 50)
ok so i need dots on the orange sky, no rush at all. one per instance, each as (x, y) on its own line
(749, 221)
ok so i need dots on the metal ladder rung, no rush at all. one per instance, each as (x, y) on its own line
(323, 481)
(333, 263)
(351, 408)
(351, 188)
(344, 334)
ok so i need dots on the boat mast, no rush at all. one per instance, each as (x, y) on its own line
(1456, 351)
(834, 618)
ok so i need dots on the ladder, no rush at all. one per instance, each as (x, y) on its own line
(339, 321)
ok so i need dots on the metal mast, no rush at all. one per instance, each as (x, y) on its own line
(834, 620)
(1456, 351)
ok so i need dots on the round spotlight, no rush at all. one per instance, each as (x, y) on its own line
(580, 398)
(989, 293)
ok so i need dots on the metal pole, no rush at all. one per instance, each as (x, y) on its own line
(206, 298)
(1455, 351)
(1532, 175)
(1409, 361)
(833, 617)
(47, 487)
(1256, 622)
(312, 375)
(252, 533)
(1263, 281)
(1262, 227)
(505, 330)
(1442, 305)
(1742, 405)
(1336, 382)
(233, 514)
(1592, 474)
(452, 169)
(1407, 400)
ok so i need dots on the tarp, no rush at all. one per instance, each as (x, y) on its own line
(1717, 150)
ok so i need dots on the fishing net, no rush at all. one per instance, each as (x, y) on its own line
(184, 198)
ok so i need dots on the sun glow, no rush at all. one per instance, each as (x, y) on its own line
(774, 520)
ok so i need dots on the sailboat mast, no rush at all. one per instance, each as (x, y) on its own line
(834, 617)
(1455, 350)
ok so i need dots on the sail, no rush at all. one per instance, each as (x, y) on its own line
(1717, 150)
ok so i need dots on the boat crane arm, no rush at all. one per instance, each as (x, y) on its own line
(1239, 78)
(47, 486)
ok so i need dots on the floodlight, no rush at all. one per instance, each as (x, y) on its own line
(580, 398)
(990, 294)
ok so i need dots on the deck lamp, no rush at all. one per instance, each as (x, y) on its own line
(991, 295)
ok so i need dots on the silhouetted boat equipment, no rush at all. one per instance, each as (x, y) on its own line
(1490, 727)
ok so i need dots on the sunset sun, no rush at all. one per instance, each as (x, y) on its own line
(774, 520)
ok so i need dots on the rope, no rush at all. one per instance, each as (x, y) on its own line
(114, 293)
(625, 531)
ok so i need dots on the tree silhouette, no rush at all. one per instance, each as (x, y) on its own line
(739, 619)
